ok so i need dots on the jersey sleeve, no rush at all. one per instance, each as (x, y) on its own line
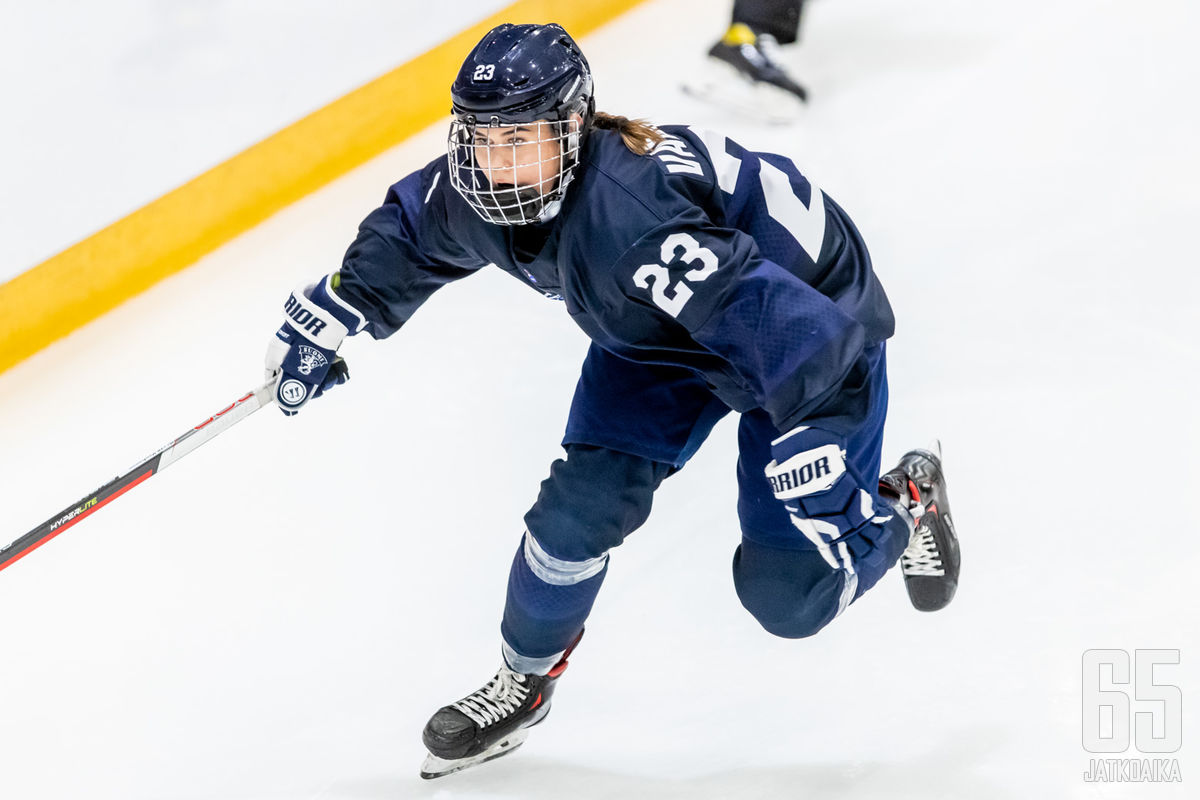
(787, 344)
(402, 255)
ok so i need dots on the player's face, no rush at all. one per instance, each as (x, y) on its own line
(525, 156)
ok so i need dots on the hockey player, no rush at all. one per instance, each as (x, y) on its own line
(745, 70)
(710, 279)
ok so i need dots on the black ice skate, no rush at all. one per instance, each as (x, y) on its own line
(757, 83)
(490, 722)
(931, 561)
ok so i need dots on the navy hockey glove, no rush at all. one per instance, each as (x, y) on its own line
(302, 356)
(825, 499)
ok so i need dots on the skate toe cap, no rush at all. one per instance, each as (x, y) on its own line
(449, 733)
(931, 594)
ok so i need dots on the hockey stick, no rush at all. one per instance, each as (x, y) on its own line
(217, 423)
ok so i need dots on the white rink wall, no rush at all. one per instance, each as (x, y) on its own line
(277, 615)
(110, 105)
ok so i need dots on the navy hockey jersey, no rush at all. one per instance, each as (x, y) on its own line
(700, 254)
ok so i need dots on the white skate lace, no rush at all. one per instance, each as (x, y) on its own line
(921, 557)
(502, 695)
(754, 55)
(768, 46)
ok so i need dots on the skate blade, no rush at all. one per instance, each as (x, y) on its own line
(721, 85)
(435, 767)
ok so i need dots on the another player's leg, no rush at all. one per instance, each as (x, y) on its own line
(777, 18)
(745, 69)
(931, 561)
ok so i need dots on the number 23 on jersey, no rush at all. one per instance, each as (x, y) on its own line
(804, 222)
(672, 297)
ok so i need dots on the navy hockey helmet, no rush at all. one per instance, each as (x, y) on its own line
(522, 102)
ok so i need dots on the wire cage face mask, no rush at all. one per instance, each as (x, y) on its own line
(513, 173)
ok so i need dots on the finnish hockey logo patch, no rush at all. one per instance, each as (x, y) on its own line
(310, 359)
(806, 473)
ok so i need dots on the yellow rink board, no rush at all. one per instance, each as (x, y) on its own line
(84, 281)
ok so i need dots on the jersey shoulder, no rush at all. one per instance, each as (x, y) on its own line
(424, 208)
(622, 195)
(415, 189)
(426, 194)
(673, 173)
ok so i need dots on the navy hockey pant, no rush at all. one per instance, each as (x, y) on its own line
(630, 427)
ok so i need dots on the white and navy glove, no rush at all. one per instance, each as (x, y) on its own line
(302, 356)
(825, 499)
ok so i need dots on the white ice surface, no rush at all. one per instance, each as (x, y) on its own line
(109, 105)
(277, 615)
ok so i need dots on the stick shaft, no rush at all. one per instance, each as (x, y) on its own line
(180, 447)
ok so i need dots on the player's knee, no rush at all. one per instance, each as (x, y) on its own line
(792, 594)
(781, 612)
(591, 501)
(799, 627)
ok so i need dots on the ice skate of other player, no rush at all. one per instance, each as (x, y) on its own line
(744, 73)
